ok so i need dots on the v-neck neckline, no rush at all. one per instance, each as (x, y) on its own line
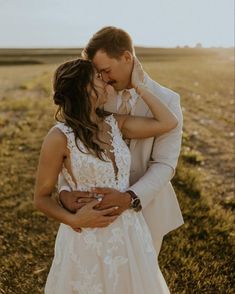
(114, 164)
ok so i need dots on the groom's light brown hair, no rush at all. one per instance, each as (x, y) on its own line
(112, 40)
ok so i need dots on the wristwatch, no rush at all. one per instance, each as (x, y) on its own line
(135, 201)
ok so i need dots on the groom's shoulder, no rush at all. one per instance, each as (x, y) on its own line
(162, 92)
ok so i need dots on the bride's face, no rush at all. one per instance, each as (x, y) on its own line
(100, 97)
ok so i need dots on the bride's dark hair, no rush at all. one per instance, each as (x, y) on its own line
(73, 84)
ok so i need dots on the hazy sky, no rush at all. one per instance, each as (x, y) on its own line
(70, 23)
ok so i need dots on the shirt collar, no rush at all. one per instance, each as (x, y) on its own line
(132, 92)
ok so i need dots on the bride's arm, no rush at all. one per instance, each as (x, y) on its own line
(51, 159)
(49, 167)
(137, 127)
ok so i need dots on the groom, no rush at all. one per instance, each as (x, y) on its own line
(154, 160)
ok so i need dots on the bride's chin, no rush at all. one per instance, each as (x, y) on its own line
(100, 107)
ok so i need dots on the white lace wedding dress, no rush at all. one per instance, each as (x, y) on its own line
(118, 259)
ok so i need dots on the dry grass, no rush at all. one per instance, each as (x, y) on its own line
(197, 258)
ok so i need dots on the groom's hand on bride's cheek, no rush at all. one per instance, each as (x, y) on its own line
(112, 197)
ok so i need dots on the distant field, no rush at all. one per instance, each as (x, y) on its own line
(198, 257)
(47, 56)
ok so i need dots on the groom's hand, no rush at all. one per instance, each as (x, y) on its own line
(72, 201)
(111, 198)
(137, 76)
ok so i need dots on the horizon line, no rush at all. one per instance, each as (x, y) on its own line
(137, 46)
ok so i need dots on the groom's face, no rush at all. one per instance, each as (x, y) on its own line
(114, 71)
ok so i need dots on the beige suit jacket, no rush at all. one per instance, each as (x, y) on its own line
(160, 208)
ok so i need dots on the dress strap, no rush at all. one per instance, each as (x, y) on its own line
(114, 126)
(115, 131)
(68, 132)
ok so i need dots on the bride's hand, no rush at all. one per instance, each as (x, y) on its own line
(89, 217)
(137, 76)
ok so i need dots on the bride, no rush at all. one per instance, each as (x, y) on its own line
(112, 254)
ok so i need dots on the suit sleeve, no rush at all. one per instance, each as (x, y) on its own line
(164, 158)
(62, 184)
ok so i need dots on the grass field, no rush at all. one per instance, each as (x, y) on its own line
(198, 257)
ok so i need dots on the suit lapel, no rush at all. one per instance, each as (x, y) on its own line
(141, 109)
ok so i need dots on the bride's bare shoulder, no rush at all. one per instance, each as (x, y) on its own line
(55, 138)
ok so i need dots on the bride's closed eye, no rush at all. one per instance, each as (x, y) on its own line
(98, 75)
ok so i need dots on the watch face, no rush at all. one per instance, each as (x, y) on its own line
(136, 202)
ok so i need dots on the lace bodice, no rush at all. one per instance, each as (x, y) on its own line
(118, 258)
(89, 171)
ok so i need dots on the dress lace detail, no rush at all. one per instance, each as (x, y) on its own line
(116, 259)
(89, 171)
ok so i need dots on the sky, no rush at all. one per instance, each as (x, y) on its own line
(157, 23)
